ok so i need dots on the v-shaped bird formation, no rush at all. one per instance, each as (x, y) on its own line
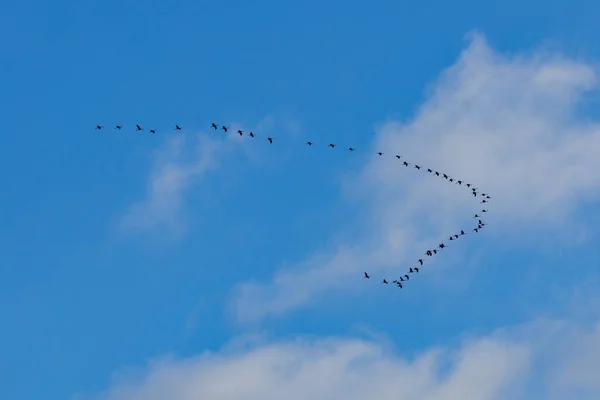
(420, 263)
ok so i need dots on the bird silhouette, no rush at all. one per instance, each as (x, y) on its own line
(483, 211)
(428, 252)
(98, 127)
(468, 185)
(429, 170)
(476, 216)
(451, 238)
(351, 149)
(367, 276)
(241, 132)
(224, 128)
(417, 269)
(445, 176)
(139, 128)
(420, 261)
(118, 127)
(380, 153)
(462, 232)
(410, 270)
(270, 140)
(177, 127)
(451, 180)
(152, 131)
(455, 236)
(437, 173)
(331, 145)
(407, 277)
(214, 126)
(405, 164)
(459, 182)
(399, 285)
(398, 156)
(384, 281)
(417, 167)
(309, 143)
(476, 229)
(442, 245)
(434, 251)
(484, 201)
(251, 134)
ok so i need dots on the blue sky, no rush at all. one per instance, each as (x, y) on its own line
(242, 240)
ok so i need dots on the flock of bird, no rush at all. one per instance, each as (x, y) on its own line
(400, 281)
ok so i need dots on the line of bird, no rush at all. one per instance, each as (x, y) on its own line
(402, 279)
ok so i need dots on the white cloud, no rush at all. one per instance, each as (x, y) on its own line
(524, 362)
(504, 123)
(170, 177)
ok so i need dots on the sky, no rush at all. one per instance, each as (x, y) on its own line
(196, 264)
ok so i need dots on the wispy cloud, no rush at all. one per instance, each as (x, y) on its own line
(507, 124)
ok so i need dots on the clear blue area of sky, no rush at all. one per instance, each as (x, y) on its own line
(76, 302)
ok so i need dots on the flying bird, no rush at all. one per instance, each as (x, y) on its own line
(309, 143)
(429, 170)
(224, 128)
(380, 153)
(445, 176)
(462, 232)
(407, 277)
(240, 132)
(420, 261)
(405, 164)
(367, 276)
(417, 167)
(351, 149)
(398, 156)
(456, 236)
(251, 134)
(459, 182)
(484, 201)
(177, 127)
(98, 127)
(442, 245)
(428, 252)
(214, 126)
(331, 145)
(270, 140)
(417, 269)
(118, 127)
(437, 173)
(152, 131)
(139, 128)
(476, 229)
(384, 281)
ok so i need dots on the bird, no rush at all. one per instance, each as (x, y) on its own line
(442, 245)
(410, 270)
(139, 128)
(350, 149)
(476, 216)
(405, 164)
(214, 126)
(484, 201)
(384, 281)
(459, 182)
(241, 132)
(270, 140)
(380, 153)
(476, 229)
(429, 170)
(177, 127)
(98, 127)
(224, 128)
(474, 194)
(488, 197)
(437, 173)
(417, 269)
(462, 232)
(118, 127)
(445, 176)
(251, 134)
(331, 145)
(398, 156)
(434, 251)
(480, 223)
(420, 261)
(367, 276)
(309, 143)
(451, 238)
(428, 252)
(152, 131)
(451, 180)
(417, 167)
(468, 185)
(483, 210)
(456, 236)
(407, 277)
(399, 285)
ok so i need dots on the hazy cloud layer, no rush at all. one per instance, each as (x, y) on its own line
(506, 124)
